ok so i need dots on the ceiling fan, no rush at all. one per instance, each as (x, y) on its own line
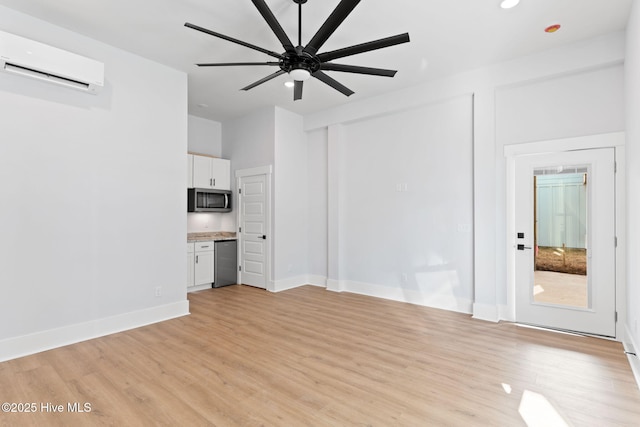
(302, 62)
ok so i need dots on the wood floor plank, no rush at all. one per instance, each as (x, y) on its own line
(308, 357)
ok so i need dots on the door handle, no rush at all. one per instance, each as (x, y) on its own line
(263, 237)
(521, 247)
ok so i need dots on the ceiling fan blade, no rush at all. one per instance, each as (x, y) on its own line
(274, 24)
(232, 40)
(333, 83)
(328, 66)
(297, 90)
(364, 47)
(266, 79)
(233, 64)
(334, 20)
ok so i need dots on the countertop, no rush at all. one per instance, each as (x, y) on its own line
(213, 235)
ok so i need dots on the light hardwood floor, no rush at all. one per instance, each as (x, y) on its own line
(309, 357)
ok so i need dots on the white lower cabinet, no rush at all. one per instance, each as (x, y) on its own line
(191, 260)
(203, 264)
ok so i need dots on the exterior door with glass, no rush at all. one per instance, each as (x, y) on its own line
(565, 241)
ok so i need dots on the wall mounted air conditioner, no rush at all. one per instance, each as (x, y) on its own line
(40, 61)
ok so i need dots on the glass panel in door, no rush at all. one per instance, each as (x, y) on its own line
(560, 236)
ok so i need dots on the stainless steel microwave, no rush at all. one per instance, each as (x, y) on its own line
(208, 200)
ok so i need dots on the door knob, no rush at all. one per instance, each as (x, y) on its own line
(523, 247)
(263, 237)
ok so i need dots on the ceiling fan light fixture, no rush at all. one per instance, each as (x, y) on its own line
(508, 4)
(299, 74)
(289, 84)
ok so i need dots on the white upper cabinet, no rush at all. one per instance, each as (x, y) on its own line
(209, 172)
(221, 174)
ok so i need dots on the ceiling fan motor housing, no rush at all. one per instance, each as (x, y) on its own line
(299, 61)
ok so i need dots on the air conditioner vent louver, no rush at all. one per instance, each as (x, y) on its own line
(28, 72)
(43, 62)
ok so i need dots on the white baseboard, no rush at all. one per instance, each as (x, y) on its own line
(335, 285)
(317, 280)
(289, 283)
(294, 282)
(25, 345)
(444, 301)
(506, 313)
(411, 296)
(199, 287)
(488, 312)
(631, 346)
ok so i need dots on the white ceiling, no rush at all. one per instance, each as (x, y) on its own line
(447, 36)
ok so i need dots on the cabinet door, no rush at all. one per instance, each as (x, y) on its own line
(191, 259)
(202, 172)
(189, 170)
(221, 174)
(203, 268)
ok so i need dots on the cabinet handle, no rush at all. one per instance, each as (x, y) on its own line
(214, 182)
(211, 182)
(196, 259)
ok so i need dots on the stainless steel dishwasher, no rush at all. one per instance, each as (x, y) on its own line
(225, 263)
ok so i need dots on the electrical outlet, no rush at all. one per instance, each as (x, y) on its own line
(159, 291)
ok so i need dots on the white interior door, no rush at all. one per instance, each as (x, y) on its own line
(565, 222)
(253, 230)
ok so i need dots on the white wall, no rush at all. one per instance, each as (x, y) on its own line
(404, 211)
(92, 212)
(290, 201)
(249, 141)
(569, 68)
(205, 136)
(317, 175)
(587, 102)
(632, 88)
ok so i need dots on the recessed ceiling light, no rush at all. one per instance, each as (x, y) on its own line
(508, 4)
(552, 28)
(289, 84)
